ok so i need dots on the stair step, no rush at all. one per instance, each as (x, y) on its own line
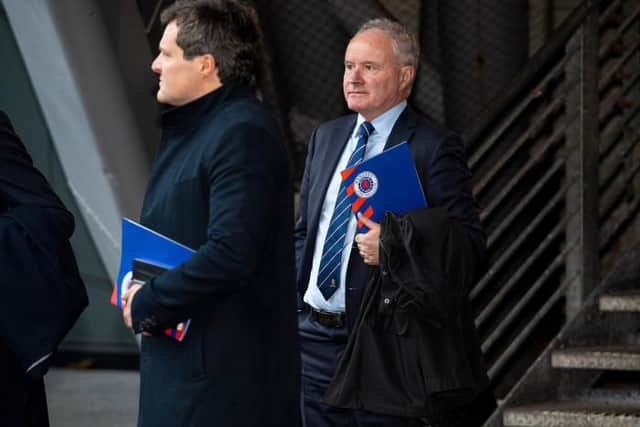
(615, 358)
(574, 414)
(620, 301)
(619, 394)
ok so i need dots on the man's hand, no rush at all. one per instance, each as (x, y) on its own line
(127, 301)
(369, 242)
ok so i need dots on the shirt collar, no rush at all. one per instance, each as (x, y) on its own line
(383, 124)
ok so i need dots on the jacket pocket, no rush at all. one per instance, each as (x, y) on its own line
(197, 354)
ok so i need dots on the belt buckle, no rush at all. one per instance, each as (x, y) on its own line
(329, 319)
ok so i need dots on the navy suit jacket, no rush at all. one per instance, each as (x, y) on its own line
(440, 161)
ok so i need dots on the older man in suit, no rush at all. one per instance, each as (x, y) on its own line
(380, 66)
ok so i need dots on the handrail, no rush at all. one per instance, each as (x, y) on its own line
(531, 132)
(534, 160)
(605, 48)
(513, 280)
(531, 96)
(615, 4)
(499, 330)
(618, 192)
(631, 83)
(515, 344)
(522, 204)
(607, 234)
(490, 308)
(606, 79)
(516, 243)
(610, 135)
(607, 180)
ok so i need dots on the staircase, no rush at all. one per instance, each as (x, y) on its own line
(590, 374)
(556, 163)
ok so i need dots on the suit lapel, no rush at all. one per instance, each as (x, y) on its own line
(332, 149)
(403, 130)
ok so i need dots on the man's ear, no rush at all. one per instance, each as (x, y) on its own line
(407, 73)
(208, 65)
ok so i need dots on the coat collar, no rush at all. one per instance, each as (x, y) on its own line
(184, 116)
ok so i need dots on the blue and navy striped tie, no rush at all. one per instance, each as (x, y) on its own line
(329, 273)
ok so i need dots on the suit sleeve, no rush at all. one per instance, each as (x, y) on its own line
(242, 188)
(449, 186)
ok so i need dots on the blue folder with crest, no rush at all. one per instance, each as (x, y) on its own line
(385, 182)
(148, 248)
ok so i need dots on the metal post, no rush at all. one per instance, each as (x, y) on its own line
(582, 163)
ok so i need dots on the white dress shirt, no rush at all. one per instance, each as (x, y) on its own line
(383, 125)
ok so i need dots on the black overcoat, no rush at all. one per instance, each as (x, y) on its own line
(414, 350)
(220, 185)
(42, 292)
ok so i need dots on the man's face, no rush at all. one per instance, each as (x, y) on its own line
(180, 78)
(374, 80)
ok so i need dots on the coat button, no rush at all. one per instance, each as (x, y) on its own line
(387, 300)
(385, 272)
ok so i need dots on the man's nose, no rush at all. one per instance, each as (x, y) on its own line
(155, 65)
(355, 75)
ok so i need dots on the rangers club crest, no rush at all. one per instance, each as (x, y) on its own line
(365, 184)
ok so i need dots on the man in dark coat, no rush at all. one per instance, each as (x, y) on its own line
(42, 292)
(220, 185)
(380, 65)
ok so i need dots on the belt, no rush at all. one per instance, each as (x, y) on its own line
(330, 319)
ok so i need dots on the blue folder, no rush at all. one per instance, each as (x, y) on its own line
(144, 244)
(385, 182)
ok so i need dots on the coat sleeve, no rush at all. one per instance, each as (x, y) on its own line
(21, 184)
(242, 179)
(300, 230)
(42, 288)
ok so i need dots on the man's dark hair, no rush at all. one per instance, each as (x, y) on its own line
(226, 29)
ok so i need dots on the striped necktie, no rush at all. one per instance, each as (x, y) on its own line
(329, 273)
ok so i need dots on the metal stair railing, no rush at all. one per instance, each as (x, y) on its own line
(589, 373)
(556, 162)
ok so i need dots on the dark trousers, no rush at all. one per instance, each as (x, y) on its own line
(321, 348)
(23, 402)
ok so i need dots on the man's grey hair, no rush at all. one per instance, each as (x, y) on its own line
(405, 44)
